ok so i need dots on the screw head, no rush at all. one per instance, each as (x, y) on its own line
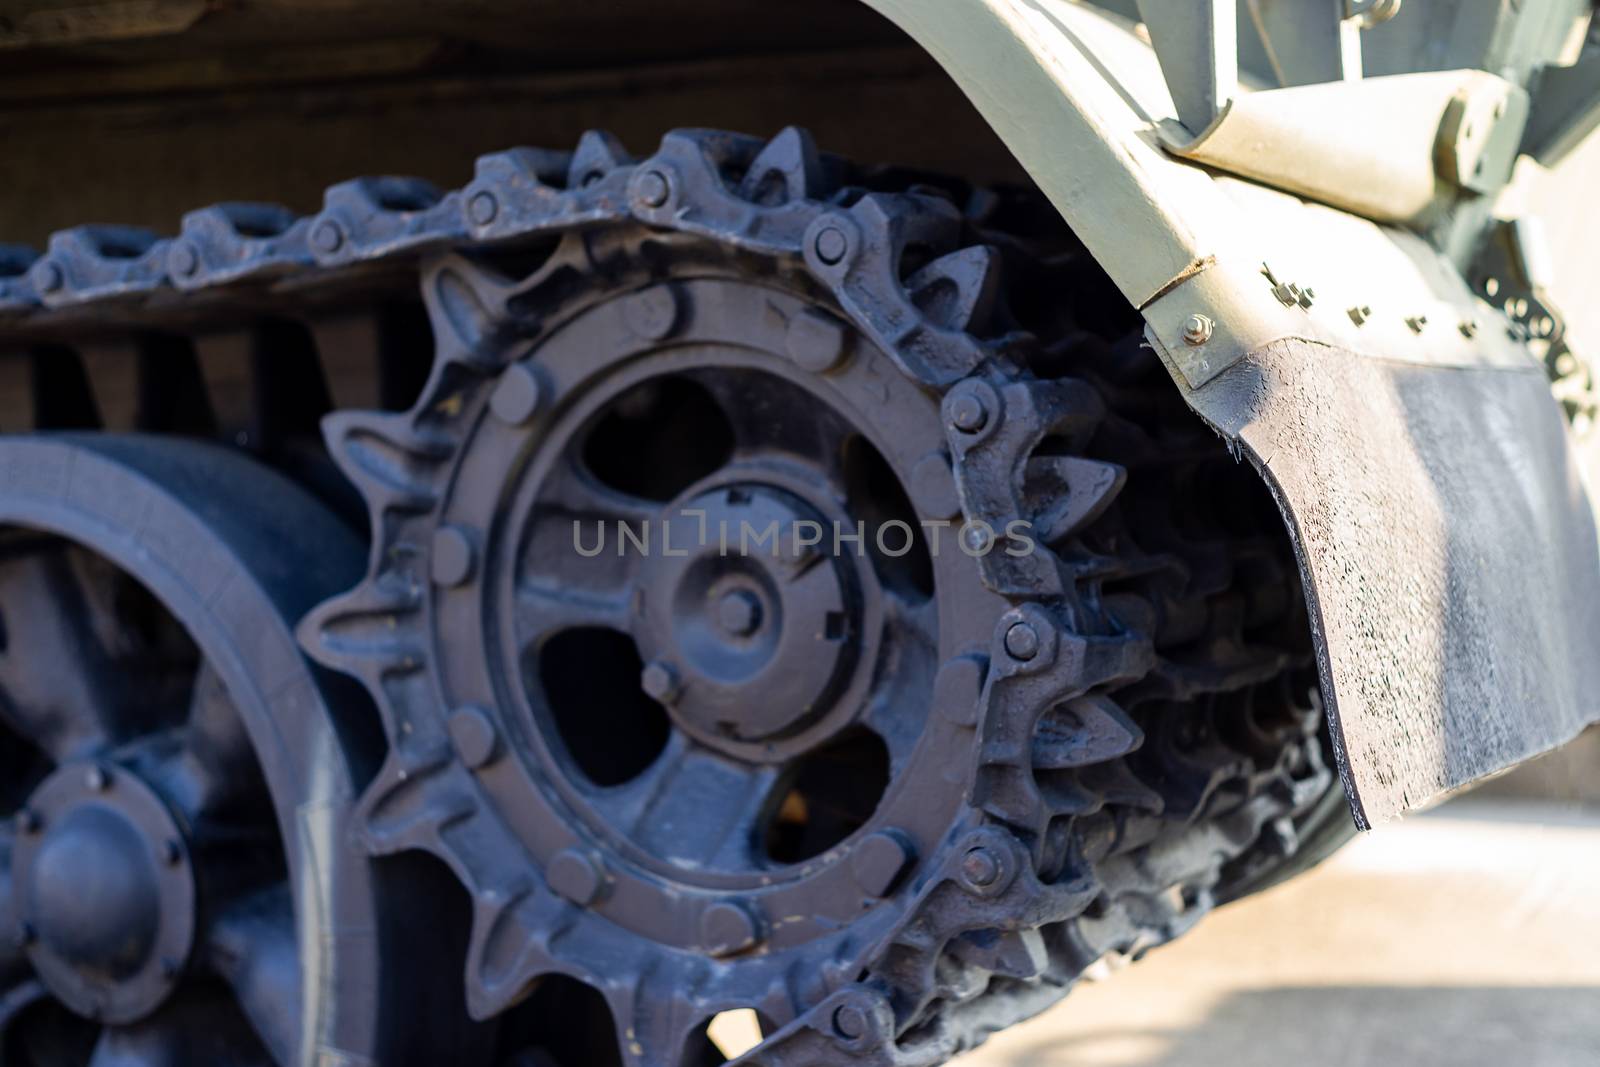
(327, 237)
(654, 188)
(97, 779)
(1022, 641)
(482, 207)
(453, 558)
(577, 876)
(473, 735)
(727, 927)
(517, 396)
(185, 258)
(1469, 328)
(981, 868)
(831, 244)
(1197, 329)
(47, 276)
(968, 412)
(659, 680)
(739, 613)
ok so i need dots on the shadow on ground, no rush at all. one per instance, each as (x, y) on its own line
(1344, 1026)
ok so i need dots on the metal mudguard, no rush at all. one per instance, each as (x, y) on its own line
(1448, 552)
(1446, 540)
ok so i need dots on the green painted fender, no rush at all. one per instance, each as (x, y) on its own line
(1424, 472)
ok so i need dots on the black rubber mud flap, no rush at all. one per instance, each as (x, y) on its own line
(1449, 553)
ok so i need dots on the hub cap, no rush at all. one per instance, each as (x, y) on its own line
(107, 895)
(751, 639)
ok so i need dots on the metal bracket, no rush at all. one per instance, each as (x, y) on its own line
(1197, 44)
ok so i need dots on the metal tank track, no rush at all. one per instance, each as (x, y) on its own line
(1142, 728)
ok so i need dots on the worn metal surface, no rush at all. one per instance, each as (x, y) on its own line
(1449, 553)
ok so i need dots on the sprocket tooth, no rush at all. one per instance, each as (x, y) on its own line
(787, 168)
(1118, 786)
(359, 633)
(385, 457)
(404, 809)
(1017, 954)
(1083, 731)
(1080, 490)
(597, 155)
(466, 305)
(507, 940)
(958, 290)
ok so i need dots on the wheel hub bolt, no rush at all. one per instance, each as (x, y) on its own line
(654, 189)
(968, 413)
(850, 1021)
(28, 821)
(48, 277)
(483, 207)
(327, 237)
(97, 779)
(185, 258)
(739, 613)
(1197, 329)
(831, 245)
(1022, 641)
(980, 867)
(660, 681)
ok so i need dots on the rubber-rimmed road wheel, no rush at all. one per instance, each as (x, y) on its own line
(176, 881)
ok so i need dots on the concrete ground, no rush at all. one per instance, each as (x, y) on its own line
(1465, 937)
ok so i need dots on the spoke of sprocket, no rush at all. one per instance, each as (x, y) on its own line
(692, 807)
